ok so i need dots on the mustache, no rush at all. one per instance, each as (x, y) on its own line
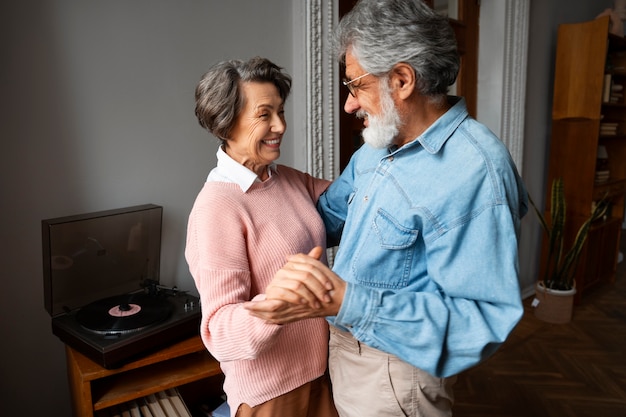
(361, 114)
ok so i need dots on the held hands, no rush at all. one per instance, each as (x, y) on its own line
(303, 288)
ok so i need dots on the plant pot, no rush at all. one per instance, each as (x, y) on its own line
(553, 306)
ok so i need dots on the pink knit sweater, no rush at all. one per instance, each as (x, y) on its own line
(235, 243)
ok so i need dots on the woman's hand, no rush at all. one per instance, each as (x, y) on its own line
(303, 288)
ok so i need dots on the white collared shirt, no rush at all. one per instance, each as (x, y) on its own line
(229, 170)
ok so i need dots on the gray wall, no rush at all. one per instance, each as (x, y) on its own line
(97, 112)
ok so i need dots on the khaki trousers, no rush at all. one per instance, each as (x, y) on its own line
(313, 399)
(368, 382)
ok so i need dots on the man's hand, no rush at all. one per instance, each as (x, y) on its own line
(303, 288)
(292, 284)
(281, 312)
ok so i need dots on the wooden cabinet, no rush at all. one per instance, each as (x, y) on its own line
(95, 388)
(588, 115)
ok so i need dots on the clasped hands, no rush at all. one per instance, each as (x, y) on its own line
(303, 288)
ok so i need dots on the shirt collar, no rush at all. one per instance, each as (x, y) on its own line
(229, 170)
(438, 133)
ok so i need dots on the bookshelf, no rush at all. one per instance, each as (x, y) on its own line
(588, 140)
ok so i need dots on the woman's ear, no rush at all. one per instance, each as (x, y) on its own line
(403, 79)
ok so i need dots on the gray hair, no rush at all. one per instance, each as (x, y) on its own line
(382, 33)
(219, 98)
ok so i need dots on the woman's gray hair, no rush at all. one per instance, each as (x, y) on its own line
(382, 33)
(219, 98)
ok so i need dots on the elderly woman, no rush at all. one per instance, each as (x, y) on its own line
(248, 217)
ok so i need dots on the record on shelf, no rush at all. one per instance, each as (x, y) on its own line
(124, 313)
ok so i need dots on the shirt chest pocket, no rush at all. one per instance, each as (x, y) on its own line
(385, 258)
(392, 235)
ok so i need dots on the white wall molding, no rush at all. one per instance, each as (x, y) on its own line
(502, 64)
(515, 64)
(320, 71)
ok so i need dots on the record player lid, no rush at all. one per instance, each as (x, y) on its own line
(91, 256)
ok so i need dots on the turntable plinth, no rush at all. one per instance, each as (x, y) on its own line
(94, 387)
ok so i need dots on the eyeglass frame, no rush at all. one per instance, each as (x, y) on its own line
(351, 88)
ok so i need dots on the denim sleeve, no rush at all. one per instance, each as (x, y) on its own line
(333, 206)
(475, 306)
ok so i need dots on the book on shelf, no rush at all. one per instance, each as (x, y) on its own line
(166, 403)
(133, 408)
(612, 92)
(144, 409)
(155, 406)
(609, 128)
(177, 401)
(616, 93)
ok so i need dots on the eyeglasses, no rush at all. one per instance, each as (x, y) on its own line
(352, 88)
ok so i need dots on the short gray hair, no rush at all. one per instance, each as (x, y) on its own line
(219, 99)
(383, 33)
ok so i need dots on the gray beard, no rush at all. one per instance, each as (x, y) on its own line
(382, 129)
(379, 134)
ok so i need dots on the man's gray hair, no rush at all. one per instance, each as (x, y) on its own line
(382, 33)
(219, 99)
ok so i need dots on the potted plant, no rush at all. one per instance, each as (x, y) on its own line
(556, 289)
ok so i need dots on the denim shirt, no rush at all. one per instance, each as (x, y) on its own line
(429, 245)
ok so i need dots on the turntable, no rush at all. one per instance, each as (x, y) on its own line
(101, 285)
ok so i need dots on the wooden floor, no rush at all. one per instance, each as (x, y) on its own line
(556, 370)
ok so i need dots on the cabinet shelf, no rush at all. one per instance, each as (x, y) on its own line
(140, 382)
(586, 53)
(96, 388)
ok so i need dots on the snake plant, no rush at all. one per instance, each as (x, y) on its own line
(561, 263)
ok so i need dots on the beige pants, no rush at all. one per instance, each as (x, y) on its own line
(312, 399)
(367, 382)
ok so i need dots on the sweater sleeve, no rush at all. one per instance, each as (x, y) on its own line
(314, 186)
(317, 187)
(217, 258)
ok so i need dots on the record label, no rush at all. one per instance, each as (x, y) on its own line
(125, 310)
(124, 313)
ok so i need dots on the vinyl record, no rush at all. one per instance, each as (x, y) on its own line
(124, 313)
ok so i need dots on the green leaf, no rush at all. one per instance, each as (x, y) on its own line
(561, 263)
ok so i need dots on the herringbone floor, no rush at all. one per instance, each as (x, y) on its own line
(556, 370)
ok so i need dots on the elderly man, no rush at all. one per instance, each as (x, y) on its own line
(427, 217)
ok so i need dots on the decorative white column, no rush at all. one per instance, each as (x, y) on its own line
(514, 91)
(320, 70)
(502, 62)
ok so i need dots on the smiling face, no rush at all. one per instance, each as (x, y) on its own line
(258, 131)
(373, 103)
(383, 128)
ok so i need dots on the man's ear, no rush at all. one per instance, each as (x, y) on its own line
(403, 80)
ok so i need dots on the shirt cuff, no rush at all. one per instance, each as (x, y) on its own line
(357, 308)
